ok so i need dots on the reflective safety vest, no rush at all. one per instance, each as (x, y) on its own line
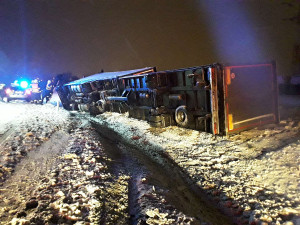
(35, 88)
(49, 86)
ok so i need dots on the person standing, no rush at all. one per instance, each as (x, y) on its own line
(35, 91)
(2, 92)
(47, 92)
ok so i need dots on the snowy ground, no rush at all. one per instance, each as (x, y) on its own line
(54, 169)
(253, 175)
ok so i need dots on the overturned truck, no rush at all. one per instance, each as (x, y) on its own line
(216, 98)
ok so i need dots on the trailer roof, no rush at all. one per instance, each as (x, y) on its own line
(109, 75)
(171, 71)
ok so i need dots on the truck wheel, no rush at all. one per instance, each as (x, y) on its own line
(94, 110)
(102, 106)
(155, 124)
(85, 107)
(183, 118)
(74, 107)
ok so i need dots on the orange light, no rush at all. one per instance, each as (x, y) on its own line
(230, 122)
(215, 128)
(227, 75)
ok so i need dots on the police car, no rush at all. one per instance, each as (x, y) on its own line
(19, 90)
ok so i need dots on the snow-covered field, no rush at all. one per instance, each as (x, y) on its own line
(54, 169)
(254, 175)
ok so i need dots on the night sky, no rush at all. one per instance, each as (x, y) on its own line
(47, 37)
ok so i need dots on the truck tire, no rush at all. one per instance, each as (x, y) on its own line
(155, 124)
(84, 107)
(183, 118)
(154, 118)
(94, 111)
(102, 106)
(74, 106)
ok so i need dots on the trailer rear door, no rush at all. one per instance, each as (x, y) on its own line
(251, 97)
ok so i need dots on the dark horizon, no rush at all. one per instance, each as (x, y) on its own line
(45, 38)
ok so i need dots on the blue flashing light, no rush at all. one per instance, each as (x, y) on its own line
(24, 84)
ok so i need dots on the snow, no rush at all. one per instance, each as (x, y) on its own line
(257, 170)
(54, 169)
(254, 176)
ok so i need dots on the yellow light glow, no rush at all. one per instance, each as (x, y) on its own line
(230, 121)
(227, 75)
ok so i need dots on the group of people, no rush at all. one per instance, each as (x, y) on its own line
(39, 94)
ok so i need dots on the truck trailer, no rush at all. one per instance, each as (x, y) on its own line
(216, 98)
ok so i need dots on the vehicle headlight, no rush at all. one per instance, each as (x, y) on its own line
(8, 91)
(27, 92)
